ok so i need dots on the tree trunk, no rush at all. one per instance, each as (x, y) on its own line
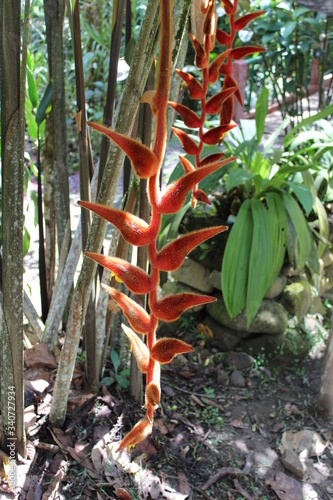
(12, 121)
(325, 399)
(142, 60)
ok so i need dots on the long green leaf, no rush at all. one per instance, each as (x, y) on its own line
(32, 90)
(261, 113)
(323, 226)
(297, 219)
(260, 262)
(308, 121)
(278, 226)
(44, 104)
(235, 263)
(303, 194)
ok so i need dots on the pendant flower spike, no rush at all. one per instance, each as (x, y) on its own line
(146, 162)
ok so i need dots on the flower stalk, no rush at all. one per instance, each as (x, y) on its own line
(146, 164)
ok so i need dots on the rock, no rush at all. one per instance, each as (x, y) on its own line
(285, 346)
(317, 307)
(292, 462)
(297, 297)
(214, 279)
(237, 379)
(238, 360)
(326, 282)
(271, 318)
(277, 287)
(327, 258)
(222, 377)
(226, 340)
(174, 287)
(193, 274)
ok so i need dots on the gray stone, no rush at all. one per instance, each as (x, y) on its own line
(324, 6)
(193, 274)
(327, 258)
(214, 279)
(222, 377)
(292, 462)
(237, 379)
(226, 340)
(317, 307)
(297, 297)
(238, 360)
(271, 318)
(277, 287)
(286, 346)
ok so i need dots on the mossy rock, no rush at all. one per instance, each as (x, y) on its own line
(297, 297)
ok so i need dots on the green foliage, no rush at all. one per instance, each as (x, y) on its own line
(279, 193)
(120, 377)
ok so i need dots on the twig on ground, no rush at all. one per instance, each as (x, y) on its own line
(230, 471)
(241, 490)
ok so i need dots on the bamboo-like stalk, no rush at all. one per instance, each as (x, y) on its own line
(12, 139)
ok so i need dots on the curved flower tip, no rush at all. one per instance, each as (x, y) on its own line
(144, 161)
(140, 350)
(139, 432)
(153, 395)
(164, 350)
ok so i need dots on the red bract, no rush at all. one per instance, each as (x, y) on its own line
(240, 52)
(190, 118)
(136, 315)
(164, 350)
(217, 134)
(172, 307)
(243, 21)
(136, 280)
(194, 87)
(140, 350)
(175, 194)
(139, 432)
(134, 230)
(172, 255)
(190, 147)
(144, 161)
(213, 105)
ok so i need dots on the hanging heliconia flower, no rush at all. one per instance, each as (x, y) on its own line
(146, 165)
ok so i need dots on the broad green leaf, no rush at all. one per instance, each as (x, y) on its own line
(248, 128)
(237, 177)
(288, 29)
(115, 360)
(278, 226)
(44, 104)
(129, 51)
(260, 262)
(303, 238)
(303, 194)
(235, 263)
(310, 184)
(260, 165)
(32, 90)
(261, 113)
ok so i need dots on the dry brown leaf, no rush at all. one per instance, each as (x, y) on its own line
(290, 409)
(238, 424)
(123, 494)
(183, 485)
(81, 458)
(30, 418)
(39, 356)
(196, 400)
(61, 438)
(98, 456)
(286, 488)
(160, 426)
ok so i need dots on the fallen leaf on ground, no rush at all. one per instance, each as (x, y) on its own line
(238, 424)
(290, 409)
(286, 488)
(39, 356)
(160, 426)
(183, 486)
(123, 494)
